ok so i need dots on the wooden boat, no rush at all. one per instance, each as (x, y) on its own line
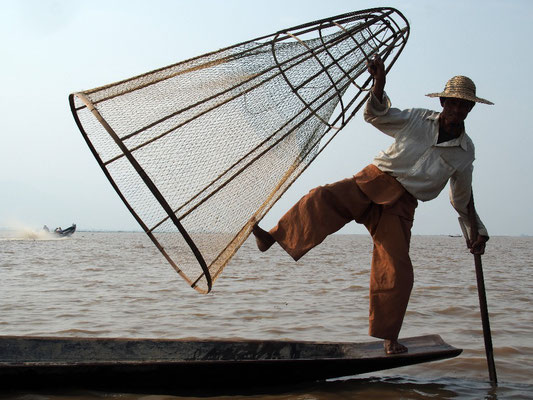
(180, 365)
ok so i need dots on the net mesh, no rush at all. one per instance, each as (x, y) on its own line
(199, 151)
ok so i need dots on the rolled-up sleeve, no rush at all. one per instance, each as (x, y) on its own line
(387, 119)
(460, 193)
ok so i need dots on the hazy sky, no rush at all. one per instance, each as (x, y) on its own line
(50, 49)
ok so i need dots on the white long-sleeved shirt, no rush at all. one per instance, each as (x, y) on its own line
(417, 161)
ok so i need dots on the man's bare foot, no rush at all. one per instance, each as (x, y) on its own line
(392, 346)
(263, 239)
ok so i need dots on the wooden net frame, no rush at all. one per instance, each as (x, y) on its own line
(199, 151)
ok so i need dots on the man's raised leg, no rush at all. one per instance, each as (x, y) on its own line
(321, 212)
(263, 239)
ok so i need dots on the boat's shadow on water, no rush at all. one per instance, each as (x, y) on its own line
(400, 387)
(382, 388)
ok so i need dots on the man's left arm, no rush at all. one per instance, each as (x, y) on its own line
(460, 195)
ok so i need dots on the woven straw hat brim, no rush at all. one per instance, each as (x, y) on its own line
(463, 96)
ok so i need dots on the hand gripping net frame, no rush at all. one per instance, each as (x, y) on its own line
(199, 151)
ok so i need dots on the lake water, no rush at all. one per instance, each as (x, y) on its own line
(109, 284)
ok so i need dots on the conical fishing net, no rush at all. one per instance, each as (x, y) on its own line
(199, 151)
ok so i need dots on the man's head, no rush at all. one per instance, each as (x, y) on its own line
(457, 100)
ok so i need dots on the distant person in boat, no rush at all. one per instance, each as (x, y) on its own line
(429, 149)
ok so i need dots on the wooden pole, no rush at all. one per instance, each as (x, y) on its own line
(482, 294)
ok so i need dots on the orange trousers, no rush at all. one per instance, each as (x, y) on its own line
(378, 201)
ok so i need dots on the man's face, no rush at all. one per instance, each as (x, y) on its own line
(455, 111)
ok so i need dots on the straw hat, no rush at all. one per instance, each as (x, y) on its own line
(460, 87)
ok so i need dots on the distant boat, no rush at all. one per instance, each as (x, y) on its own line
(65, 232)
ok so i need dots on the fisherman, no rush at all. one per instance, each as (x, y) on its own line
(429, 149)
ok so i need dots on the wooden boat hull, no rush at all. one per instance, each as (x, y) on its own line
(147, 364)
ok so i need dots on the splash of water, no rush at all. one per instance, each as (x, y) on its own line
(19, 231)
